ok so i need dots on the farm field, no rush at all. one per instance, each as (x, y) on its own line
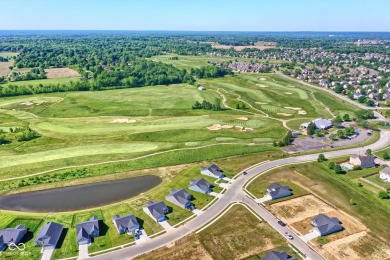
(8, 54)
(61, 73)
(4, 68)
(360, 233)
(227, 238)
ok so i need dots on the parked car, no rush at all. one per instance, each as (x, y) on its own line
(289, 236)
(244, 173)
(281, 223)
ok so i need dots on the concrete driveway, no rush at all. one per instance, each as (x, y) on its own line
(83, 252)
(263, 199)
(197, 212)
(310, 236)
(47, 253)
(218, 195)
(166, 225)
(143, 237)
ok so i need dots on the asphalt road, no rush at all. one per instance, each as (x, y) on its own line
(345, 98)
(236, 194)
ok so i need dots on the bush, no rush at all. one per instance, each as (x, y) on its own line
(386, 156)
(331, 165)
(383, 195)
(338, 169)
(321, 158)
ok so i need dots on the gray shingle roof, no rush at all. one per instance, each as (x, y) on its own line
(157, 209)
(49, 234)
(326, 225)
(274, 255)
(322, 123)
(201, 183)
(275, 189)
(11, 235)
(214, 169)
(181, 196)
(125, 222)
(364, 158)
(386, 171)
(85, 229)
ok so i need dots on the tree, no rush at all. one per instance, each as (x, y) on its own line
(311, 128)
(365, 114)
(346, 117)
(369, 152)
(321, 158)
(3, 140)
(383, 195)
(337, 121)
(338, 169)
(386, 155)
(331, 165)
(340, 134)
(362, 99)
(237, 106)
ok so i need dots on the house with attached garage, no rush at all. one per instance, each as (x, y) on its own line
(384, 174)
(180, 198)
(324, 225)
(126, 224)
(212, 171)
(85, 231)
(157, 210)
(277, 191)
(49, 235)
(363, 162)
(274, 255)
(10, 236)
(200, 185)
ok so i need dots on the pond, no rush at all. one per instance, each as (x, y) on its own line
(80, 196)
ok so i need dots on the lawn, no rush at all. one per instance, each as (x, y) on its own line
(43, 82)
(236, 235)
(375, 179)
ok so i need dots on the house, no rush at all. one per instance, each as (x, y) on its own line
(126, 224)
(49, 235)
(201, 88)
(277, 191)
(274, 255)
(157, 210)
(85, 231)
(212, 171)
(363, 162)
(325, 225)
(200, 185)
(384, 174)
(180, 198)
(11, 236)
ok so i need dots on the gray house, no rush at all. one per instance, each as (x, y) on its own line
(277, 191)
(157, 210)
(11, 236)
(274, 255)
(49, 235)
(212, 171)
(87, 230)
(126, 224)
(200, 185)
(180, 198)
(325, 225)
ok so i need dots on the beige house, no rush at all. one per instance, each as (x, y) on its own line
(384, 174)
(362, 161)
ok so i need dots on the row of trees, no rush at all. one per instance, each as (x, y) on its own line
(216, 106)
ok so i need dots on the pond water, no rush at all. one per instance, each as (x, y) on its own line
(80, 196)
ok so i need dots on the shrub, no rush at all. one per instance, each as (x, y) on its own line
(383, 195)
(331, 165)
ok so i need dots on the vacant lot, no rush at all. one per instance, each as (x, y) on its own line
(237, 235)
(61, 73)
(4, 68)
(258, 46)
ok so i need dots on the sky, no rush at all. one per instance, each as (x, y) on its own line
(196, 15)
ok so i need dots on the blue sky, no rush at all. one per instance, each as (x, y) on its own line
(199, 15)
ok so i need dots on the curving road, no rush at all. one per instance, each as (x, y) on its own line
(235, 193)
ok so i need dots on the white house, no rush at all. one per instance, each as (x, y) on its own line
(384, 174)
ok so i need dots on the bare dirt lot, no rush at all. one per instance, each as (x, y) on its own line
(61, 73)
(4, 68)
(258, 46)
(298, 209)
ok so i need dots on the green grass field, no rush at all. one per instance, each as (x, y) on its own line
(8, 54)
(42, 81)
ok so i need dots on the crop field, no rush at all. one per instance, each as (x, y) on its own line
(61, 73)
(4, 68)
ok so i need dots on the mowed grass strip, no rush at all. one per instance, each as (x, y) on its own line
(85, 150)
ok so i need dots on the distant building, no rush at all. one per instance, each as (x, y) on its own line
(49, 235)
(277, 191)
(85, 231)
(320, 123)
(157, 210)
(200, 185)
(363, 162)
(11, 236)
(126, 224)
(384, 174)
(180, 198)
(212, 171)
(325, 225)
